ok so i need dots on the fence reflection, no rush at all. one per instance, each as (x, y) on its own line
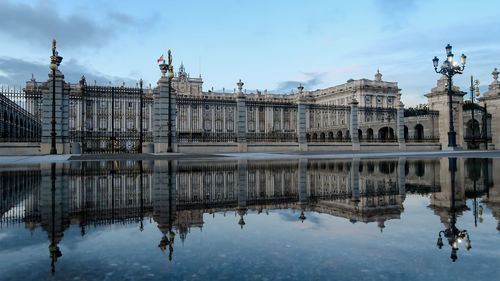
(176, 194)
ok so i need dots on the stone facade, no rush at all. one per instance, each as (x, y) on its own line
(492, 99)
(318, 120)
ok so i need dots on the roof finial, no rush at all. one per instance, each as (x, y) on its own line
(495, 75)
(378, 76)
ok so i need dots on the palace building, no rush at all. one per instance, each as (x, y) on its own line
(179, 115)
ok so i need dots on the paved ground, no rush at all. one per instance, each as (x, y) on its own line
(7, 160)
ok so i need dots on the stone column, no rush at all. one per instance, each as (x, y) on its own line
(402, 176)
(242, 190)
(241, 131)
(301, 120)
(355, 181)
(302, 180)
(62, 115)
(492, 100)
(400, 125)
(353, 124)
(164, 200)
(54, 206)
(302, 187)
(438, 100)
(160, 114)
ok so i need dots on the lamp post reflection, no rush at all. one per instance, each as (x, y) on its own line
(54, 250)
(452, 233)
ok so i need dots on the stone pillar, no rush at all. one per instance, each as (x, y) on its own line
(355, 180)
(302, 187)
(54, 206)
(242, 190)
(438, 100)
(302, 180)
(450, 170)
(241, 110)
(402, 176)
(164, 201)
(160, 114)
(62, 115)
(400, 125)
(492, 100)
(301, 120)
(353, 124)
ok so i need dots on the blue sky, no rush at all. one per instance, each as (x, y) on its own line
(268, 44)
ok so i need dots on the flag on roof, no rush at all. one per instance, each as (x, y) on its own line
(161, 59)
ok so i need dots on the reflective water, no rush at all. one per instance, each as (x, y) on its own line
(252, 220)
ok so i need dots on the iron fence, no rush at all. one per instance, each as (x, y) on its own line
(21, 111)
(206, 137)
(422, 139)
(272, 137)
(206, 119)
(410, 112)
(110, 119)
(375, 140)
(271, 121)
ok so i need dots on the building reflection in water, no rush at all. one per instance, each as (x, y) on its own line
(176, 194)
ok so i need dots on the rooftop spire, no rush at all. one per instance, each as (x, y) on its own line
(181, 68)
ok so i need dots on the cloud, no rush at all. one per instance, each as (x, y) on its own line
(308, 80)
(42, 22)
(395, 13)
(15, 72)
(121, 18)
(314, 80)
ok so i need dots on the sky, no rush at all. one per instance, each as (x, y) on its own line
(273, 44)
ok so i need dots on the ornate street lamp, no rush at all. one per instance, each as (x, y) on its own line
(450, 68)
(170, 76)
(55, 61)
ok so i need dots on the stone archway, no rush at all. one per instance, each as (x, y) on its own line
(473, 129)
(369, 134)
(419, 132)
(386, 133)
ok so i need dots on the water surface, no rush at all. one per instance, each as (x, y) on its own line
(251, 220)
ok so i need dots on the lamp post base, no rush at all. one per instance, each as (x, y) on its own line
(452, 139)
